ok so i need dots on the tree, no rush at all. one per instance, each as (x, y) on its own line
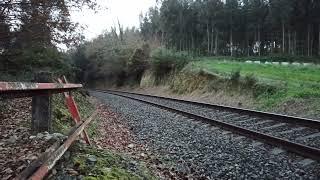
(43, 20)
(238, 27)
(31, 29)
(231, 12)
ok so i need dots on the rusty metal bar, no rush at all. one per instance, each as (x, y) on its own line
(26, 89)
(73, 109)
(51, 161)
(20, 86)
(36, 164)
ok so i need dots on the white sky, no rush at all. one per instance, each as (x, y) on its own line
(127, 11)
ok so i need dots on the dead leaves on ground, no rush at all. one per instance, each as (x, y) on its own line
(17, 150)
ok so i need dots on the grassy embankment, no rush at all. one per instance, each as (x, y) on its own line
(289, 89)
(288, 82)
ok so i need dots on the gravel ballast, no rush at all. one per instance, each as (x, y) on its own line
(249, 122)
(199, 150)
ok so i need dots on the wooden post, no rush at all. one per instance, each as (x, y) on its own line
(41, 107)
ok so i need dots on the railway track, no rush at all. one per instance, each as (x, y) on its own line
(294, 134)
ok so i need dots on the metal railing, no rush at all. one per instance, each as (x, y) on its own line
(41, 94)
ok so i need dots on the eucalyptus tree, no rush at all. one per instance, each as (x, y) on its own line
(231, 15)
(257, 13)
(238, 27)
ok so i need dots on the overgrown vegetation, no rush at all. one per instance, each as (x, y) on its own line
(29, 61)
(112, 59)
(62, 120)
(165, 62)
(108, 165)
(30, 31)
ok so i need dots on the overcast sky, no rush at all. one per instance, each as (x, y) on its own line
(127, 11)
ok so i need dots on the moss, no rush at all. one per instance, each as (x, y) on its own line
(114, 173)
(109, 165)
(62, 120)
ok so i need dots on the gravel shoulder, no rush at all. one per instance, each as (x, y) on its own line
(196, 150)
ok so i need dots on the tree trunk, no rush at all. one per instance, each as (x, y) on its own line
(231, 42)
(216, 43)
(311, 46)
(187, 42)
(208, 38)
(255, 35)
(259, 40)
(162, 38)
(271, 48)
(319, 41)
(289, 41)
(192, 42)
(308, 41)
(247, 44)
(212, 40)
(283, 38)
(295, 43)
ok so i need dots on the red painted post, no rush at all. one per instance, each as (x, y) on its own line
(73, 109)
(51, 161)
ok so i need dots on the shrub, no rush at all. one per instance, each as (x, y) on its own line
(249, 81)
(137, 64)
(165, 61)
(235, 76)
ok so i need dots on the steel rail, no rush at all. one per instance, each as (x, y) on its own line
(290, 146)
(273, 116)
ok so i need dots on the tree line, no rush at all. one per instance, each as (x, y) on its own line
(235, 27)
(30, 31)
(116, 57)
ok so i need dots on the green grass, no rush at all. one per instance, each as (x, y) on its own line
(293, 75)
(62, 120)
(290, 81)
(109, 165)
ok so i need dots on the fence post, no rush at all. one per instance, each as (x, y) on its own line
(41, 106)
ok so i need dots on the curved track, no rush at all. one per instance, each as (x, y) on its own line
(298, 135)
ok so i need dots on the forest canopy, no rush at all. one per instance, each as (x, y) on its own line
(30, 31)
(236, 27)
